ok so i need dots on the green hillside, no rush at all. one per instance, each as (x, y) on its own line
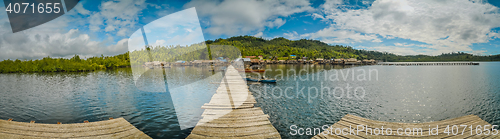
(248, 45)
(281, 47)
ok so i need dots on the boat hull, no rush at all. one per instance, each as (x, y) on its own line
(252, 79)
(253, 70)
(249, 70)
(268, 81)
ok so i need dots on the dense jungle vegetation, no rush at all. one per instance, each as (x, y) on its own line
(280, 48)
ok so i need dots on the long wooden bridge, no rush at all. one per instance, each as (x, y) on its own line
(351, 121)
(231, 113)
(426, 63)
(109, 129)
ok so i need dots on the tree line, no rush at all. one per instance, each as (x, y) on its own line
(74, 64)
(210, 49)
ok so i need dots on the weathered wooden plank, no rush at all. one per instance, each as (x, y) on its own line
(270, 135)
(235, 132)
(349, 116)
(424, 132)
(493, 136)
(353, 121)
(242, 114)
(235, 124)
(231, 113)
(65, 135)
(409, 125)
(236, 119)
(228, 107)
(405, 125)
(211, 118)
(82, 127)
(115, 128)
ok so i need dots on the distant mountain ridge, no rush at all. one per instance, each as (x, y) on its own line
(282, 47)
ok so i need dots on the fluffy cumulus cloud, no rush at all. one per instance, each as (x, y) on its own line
(258, 34)
(444, 25)
(401, 50)
(53, 39)
(33, 44)
(334, 35)
(116, 16)
(232, 17)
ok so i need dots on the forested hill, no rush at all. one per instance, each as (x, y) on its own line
(249, 46)
(282, 47)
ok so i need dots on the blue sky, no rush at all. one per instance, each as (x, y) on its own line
(405, 27)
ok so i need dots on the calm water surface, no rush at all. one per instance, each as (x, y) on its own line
(96, 96)
(409, 94)
(401, 94)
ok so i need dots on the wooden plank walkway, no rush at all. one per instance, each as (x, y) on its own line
(109, 129)
(353, 121)
(231, 113)
(427, 63)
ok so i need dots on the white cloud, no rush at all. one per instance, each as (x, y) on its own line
(479, 52)
(444, 25)
(79, 9)
(180, 28)
(334, 35)
(235, 17)
(258, 34)
(32, 45)
(403, 44)
(115, 16)
(405, 50)
(53, 39)
(292, 35)
(316, 15)
(159, 43)
(118, 48)
(366, 2)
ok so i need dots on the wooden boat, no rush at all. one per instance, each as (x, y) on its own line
(216, 70)
(252, 79)
(258, 70)
(251, 70)
(268, 80)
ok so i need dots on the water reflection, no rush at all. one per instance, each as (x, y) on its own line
(96, 96)
(401, 94)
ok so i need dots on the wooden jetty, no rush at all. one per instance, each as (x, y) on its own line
(354, 121)
(427, 63)
(109, 129)
(231, 113)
